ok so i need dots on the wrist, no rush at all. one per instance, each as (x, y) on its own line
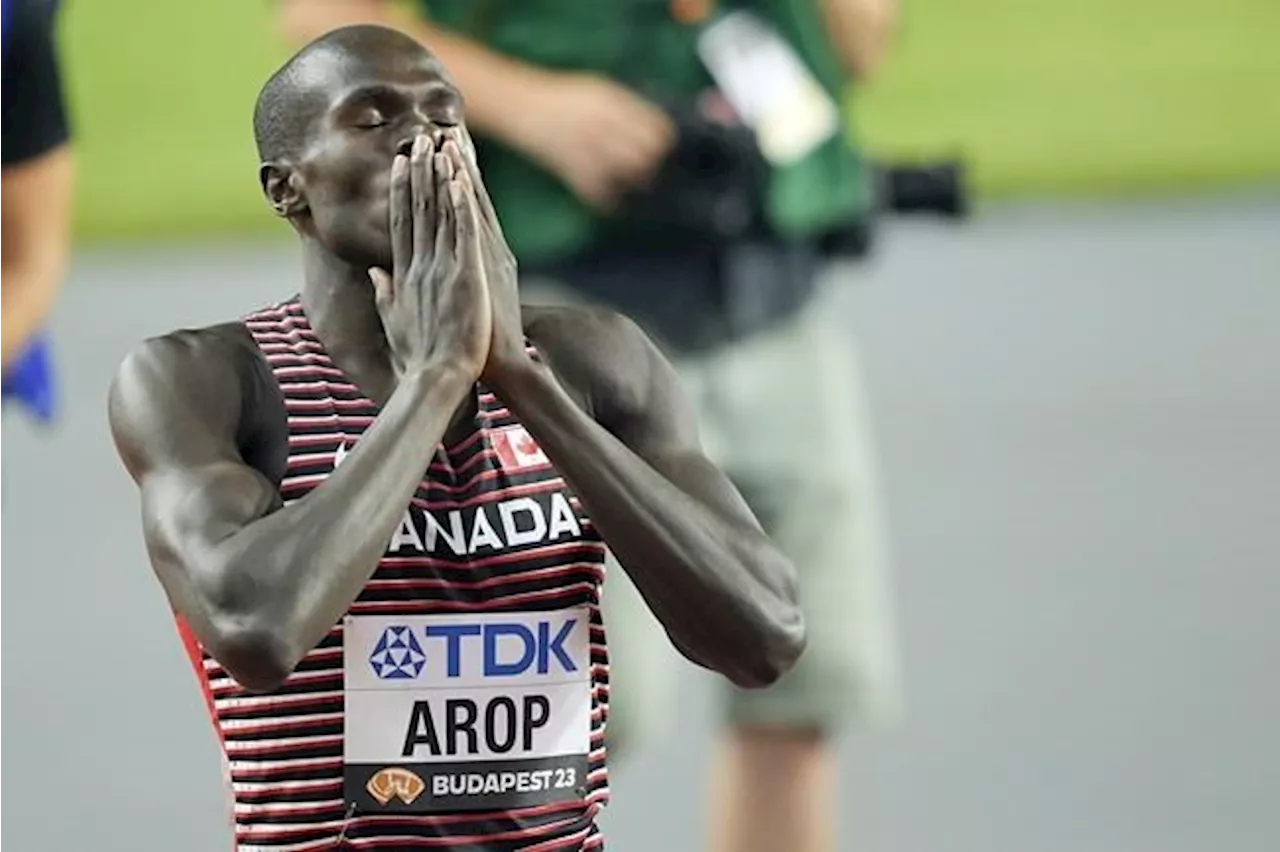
(516, 374)
(448, 380)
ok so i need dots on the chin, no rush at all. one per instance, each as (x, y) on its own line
(357, 234)
(361, 251)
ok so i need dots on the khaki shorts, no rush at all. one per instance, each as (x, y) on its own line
(783, 414)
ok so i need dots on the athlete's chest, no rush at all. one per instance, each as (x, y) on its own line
(469, 658)
(490, 504)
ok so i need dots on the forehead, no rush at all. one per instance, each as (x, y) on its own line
(340, 74)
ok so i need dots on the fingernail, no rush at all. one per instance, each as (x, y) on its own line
(420, 145)
(399, 165)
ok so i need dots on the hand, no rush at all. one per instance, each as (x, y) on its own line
(434, 304)
(597, 136)
(507, 349)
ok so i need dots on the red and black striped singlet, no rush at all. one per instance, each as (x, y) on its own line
(284, 750)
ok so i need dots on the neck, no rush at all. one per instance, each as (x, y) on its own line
(338, 299)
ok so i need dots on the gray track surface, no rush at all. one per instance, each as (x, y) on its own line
(1078, 410)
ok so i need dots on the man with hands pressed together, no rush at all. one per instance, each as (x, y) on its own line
(408, 650)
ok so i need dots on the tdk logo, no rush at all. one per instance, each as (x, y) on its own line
(397, 654)
(493, 649)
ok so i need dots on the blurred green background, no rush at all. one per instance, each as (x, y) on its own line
(1089, 98)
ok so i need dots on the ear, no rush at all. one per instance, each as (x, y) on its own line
(282, 185)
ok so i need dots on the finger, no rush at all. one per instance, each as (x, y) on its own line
(630, 165)
(650, 124)
(597, 190)
(468, 158)
(441, 173)
(445, 212)
(461, 171)
(626, 163)
(646, 144)
(467, 211)
(383, 287)
(401, 217)
(424, 206)
(468, 250)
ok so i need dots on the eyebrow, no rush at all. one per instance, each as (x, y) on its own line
(377, 91)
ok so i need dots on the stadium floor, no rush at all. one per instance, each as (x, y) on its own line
(1077, 409)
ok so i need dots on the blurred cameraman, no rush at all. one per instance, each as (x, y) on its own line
(36, 192)
(686, 164)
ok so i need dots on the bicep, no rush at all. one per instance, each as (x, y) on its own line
(174, 414)
(645, 406)
(189, 514)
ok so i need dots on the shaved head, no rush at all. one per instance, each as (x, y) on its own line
(296, 94)
(329, 125)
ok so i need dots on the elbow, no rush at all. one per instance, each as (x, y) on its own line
(779, 644)
(778, 633)
(256, 656)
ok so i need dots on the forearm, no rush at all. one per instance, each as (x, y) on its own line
(28, 296)
(725, 595)
(35, 209)
(297, 570)
(491, 83)
(860, 31)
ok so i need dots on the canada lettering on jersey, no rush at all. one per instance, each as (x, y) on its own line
(487, 527)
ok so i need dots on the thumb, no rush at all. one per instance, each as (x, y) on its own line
(381, 284)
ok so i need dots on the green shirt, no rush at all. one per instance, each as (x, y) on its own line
(640, 44)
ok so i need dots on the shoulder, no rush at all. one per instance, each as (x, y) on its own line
(188, 380)
(594, 349)
(187, 356)
(579, 327)
(614, 368)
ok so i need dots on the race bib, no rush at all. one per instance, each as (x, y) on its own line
(483, 711)
(769, 86)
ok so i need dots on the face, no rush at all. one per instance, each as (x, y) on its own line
(375, 108)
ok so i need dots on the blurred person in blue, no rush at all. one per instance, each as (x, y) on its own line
(36, 193)
(685, 162)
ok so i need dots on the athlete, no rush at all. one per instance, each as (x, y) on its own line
(379, 509)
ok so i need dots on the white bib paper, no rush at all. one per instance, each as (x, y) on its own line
(465, 712)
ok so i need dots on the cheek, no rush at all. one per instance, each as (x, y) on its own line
(350, 202)
(344, 175)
